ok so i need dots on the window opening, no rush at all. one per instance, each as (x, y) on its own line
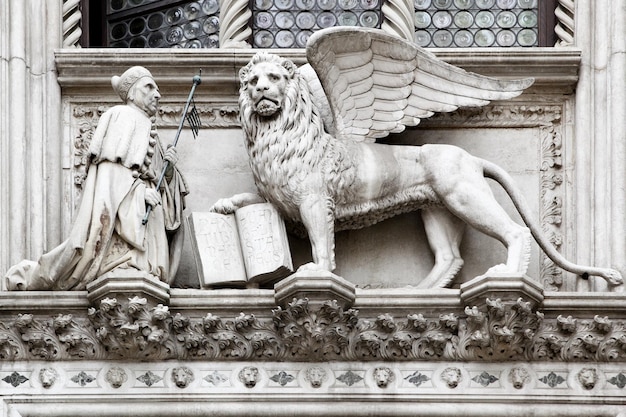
(476, 23)
(162, 24)
(290, 23)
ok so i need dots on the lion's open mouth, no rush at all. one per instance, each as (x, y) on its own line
(267, 106)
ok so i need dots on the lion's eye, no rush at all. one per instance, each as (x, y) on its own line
(274, 77)
(253, 81)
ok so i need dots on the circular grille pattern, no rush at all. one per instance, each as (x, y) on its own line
(290, 23)
(191, 25)
(476, 23)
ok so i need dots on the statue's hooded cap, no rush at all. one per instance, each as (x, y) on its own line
(122, 84)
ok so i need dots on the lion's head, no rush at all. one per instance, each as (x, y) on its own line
(285, 136)
(264, 81)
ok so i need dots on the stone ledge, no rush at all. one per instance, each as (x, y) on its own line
(126, 283)
(259, 301)
(555, 67)
(315, 286)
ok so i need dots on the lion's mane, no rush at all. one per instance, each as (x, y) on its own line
(292, 143)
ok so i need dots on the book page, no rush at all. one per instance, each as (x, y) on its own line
(216, 247)
(264, 242)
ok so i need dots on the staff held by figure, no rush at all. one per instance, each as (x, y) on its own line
(194, 122)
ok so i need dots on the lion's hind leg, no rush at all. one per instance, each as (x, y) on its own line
(458, 179)
(444, 232)
(473, 202)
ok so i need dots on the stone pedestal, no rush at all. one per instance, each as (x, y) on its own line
(506, 287)
(128, 283)
(317, 287)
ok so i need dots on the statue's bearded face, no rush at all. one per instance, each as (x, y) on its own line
(266, 84)
(145, 95)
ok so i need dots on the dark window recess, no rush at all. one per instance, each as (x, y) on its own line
(484, 23)
(289, 23)
(151, 23)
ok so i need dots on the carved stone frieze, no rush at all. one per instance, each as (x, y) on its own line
(512, 331)
(551, 194)
(498, 115)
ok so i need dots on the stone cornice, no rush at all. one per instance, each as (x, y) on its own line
(172, 68)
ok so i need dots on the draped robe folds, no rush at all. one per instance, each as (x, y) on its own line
(108, 232)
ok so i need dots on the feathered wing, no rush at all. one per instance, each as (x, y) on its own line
(378, 84)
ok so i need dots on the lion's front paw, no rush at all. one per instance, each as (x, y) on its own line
(223, 206)
(312, 266)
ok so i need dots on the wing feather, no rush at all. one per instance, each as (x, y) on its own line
(378, 84)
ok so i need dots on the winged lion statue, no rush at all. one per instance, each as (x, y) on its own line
(311, 138)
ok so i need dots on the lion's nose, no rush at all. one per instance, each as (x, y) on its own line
(262, 85)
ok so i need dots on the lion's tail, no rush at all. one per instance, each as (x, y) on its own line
(498, 174)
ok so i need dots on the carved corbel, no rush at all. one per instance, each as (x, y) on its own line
(133, 329)
(502, 332)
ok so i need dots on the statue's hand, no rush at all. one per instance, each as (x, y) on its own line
(224, 206)
(171, 155)
(152, 197)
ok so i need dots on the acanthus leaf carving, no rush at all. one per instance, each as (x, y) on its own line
(322, 334)
(39, 337)
(502, 331)
(10, 345)
(551, 198)
(78, 341)
(133, 329)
